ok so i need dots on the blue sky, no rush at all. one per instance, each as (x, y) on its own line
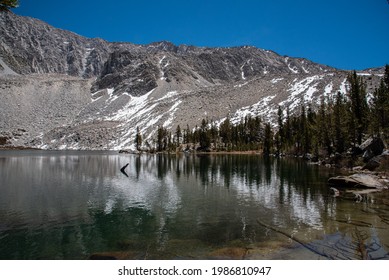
(348, 34)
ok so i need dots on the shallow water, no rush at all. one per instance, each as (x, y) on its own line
(78, 205)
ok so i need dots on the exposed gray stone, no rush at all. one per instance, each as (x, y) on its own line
(372, 147)
(357, 181)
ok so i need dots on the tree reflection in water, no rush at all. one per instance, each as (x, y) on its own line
(77, 205)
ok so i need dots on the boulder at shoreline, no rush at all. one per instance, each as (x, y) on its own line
(357, 181)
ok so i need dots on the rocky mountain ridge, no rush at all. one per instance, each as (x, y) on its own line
(59, 90)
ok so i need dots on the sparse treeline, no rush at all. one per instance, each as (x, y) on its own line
(336, 125)
(246, 135)
(339, 123)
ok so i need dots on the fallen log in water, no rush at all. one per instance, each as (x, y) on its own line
(341, 249)
(293, 238)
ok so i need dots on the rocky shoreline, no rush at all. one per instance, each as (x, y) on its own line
(372, 175)
(5, 148)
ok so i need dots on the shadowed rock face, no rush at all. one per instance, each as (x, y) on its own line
(29, 45)
(56, 84)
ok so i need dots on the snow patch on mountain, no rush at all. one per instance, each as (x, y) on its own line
(276, 80)
(294, 70)
(344, 87)
(171, 112)
(242, 72)
(170, 94)
(301, 91)
(111, 96)
(328, 89)
(240, 85)
(305, 70)
(262, 108)
(144, 112)
(162, 67)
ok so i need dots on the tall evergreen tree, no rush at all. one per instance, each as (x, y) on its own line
(302, 134)
(187, 137)
(138, 139)
(280, 130)
(339, 113)
(214, 133)
(225, 132)
(386, 109)
(204, 137)
(323, 127)
(162, 139)
(178, 135)
(287, 128)
(306, 117)
(359, 108)
(380, 106)
(268, 140)
(386, 76)
(5, 5)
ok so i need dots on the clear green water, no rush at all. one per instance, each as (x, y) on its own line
(78, 205)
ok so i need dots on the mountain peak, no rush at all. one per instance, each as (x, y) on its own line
(162, 46)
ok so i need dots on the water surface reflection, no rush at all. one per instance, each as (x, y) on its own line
(74, 205)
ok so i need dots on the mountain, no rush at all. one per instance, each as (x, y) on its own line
(59, 90)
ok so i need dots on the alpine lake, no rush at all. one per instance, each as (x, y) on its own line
(80, 205)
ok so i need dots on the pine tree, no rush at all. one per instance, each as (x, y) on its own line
(253, 129)
(312, 139)
(386, 107)
(178, 135)
(380, 106)
(359, 108)
(287, 130)
(339, 111)
(225, 132)
(138, 139)
(214, 132)
(302, 131)
(204, 137)
(170, 141)
(280, 134)
(386, 76)
(306, 132)
(162, 141)
(187, 137)
(323, 127)
(268, 140)
(5, 5)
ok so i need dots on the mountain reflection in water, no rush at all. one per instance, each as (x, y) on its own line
(78, 205)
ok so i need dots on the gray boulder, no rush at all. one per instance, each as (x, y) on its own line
(372, 147)
(357, 181)
(376, 161)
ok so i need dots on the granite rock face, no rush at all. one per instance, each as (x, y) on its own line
(29, 46)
